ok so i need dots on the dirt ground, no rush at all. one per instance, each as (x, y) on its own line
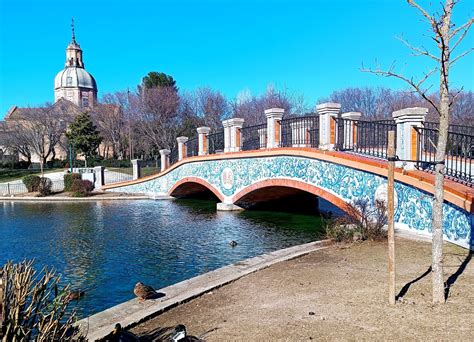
(335, 294)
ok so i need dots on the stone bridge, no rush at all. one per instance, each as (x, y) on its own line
(281, 159)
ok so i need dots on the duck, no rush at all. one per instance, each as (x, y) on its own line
(75, 295)
(120, 335)
(233, 243)
(144, 292)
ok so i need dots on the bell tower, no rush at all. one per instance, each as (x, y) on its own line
(74, 51)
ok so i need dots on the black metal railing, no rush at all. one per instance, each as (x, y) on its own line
(174, 156)
(150, 167)
(192, 147)
(459, 154)
(300, 131)
(254, 137)
(216, 142)
(462, 129)
(364, 137)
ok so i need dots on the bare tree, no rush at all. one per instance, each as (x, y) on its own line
(447, 38)
(110, 121)
(212, 106)
(39, 132)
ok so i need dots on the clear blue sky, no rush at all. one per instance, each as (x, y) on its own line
(308, 47)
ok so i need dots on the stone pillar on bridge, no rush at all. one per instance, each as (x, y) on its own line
(182, 150)
(327, 125)
(350, 128)
(99, 177)
(407, 120)
(165, 159)
(274, 116)
(227, 134)
(202, 139)
(235, 134)
(136, 169)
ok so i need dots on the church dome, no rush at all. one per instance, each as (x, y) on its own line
(74, 77)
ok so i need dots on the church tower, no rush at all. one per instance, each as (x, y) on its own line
(74, 83)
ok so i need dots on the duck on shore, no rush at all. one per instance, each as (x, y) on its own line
(144, 292)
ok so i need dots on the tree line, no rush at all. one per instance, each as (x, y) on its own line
(137, 124)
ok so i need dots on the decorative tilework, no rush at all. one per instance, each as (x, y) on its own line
(413, 210)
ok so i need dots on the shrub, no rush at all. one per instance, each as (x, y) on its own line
(35, 306)
(81, 188)
(69, 179)
(361, 222)
(31, 182)
(44, 187)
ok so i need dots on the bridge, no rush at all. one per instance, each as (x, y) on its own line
(338, 157)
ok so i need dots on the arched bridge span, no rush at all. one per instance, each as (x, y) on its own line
(337, 177)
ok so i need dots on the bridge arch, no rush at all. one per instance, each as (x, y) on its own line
(190, 185)
(292, 184)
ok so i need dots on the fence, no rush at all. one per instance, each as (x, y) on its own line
(216, 142)
(459, 154)
(7, 189)
(150, 167)
(192, 147)
(300, 131)
(254, 137)
(174, 155)
(364, 137)
(117, 174)
(467, 130)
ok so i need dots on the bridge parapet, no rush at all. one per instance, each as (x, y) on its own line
(328, 129)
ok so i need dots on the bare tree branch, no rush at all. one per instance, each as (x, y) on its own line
(411, 82)
(420, 51)
(461, 37)
(423, 12)
(461, 55)
(464, 26)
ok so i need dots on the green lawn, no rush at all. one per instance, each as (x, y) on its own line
(8, 175)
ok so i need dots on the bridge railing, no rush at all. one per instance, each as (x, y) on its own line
(302, 131)
(368, 138)
(459, 154)
(216, 142)
(192, 147)
(328, 129)
(254, 137)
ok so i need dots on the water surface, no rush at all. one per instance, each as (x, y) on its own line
(104, 248)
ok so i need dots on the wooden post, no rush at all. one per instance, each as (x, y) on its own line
(390, 217)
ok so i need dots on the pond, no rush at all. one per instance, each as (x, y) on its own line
(104, 248)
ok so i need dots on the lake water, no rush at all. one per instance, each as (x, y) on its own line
(104, 248)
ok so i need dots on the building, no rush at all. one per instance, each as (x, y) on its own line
(74, 83)
(75, 91)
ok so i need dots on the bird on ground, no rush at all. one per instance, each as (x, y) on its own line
(144, 292)
(120, 335)
(75, 295)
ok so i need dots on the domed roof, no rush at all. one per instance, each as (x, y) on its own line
(73, 77)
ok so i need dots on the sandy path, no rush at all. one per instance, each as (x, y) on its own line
(334, 294)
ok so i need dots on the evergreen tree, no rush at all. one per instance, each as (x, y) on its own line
(158, 79)
(84, 136)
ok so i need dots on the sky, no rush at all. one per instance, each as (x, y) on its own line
(308, 48)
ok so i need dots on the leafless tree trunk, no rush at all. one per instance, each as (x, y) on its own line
(443, 33)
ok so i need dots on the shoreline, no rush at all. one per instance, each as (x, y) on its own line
(131, 313)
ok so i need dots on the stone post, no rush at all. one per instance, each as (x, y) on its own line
(182, 150)
(99, 177)
(274, 116)
(350, 128)
(202, 138)
(165, 159)
(227, 134)
(136, 167)
(407, 120)
(327, 125)
(235, 134)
